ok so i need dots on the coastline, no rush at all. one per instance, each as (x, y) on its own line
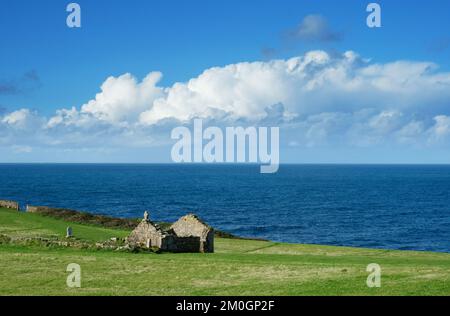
(238, 267)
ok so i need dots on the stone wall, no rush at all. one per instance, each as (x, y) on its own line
(9, 204)
(40, 209)
(34, 209)
(174, 243)
(191, 226)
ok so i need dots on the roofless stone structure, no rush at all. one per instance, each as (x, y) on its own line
(188, 234)
(191, 225)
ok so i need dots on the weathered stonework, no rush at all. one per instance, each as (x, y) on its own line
(39, 209)
(9, 204)
(191, 226)
(146, 234)
(193, 236)
(174, 243)
(33, 209)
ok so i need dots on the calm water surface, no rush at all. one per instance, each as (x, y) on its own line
(395, 207)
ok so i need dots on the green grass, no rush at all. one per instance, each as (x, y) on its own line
(20, 224)
(239, 267)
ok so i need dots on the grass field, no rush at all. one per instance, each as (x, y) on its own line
(239, 267)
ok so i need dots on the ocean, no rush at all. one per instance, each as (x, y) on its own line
(376, 206)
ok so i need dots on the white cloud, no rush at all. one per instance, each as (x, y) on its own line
(307, 85)
(441, 129)
(22, 119)
(18, 118)
(317, 99)
(411, 133)
(122, 99)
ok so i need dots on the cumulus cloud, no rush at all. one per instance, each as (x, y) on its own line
(317, 99)
(23, 119)
(122, 99)
(307, 87)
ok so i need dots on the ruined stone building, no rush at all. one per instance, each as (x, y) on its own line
(188, 234)
(191, 225)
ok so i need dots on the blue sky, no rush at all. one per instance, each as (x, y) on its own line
(53, 67)
(182, 38)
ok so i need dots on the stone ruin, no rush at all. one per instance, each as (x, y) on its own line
(9, 204)
(188, 234)
(191, 225)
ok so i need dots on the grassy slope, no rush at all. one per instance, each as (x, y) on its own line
(20, 224)
(239, 267)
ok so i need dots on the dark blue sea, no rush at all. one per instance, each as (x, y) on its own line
(376, 206)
